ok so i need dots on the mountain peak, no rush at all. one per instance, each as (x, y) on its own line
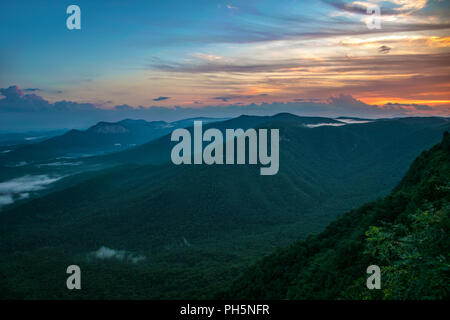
(107, 128)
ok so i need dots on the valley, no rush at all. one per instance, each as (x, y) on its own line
(194, 240)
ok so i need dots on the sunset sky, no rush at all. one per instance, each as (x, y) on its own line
(216, 53)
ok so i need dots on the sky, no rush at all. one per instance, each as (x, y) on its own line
(206, 54)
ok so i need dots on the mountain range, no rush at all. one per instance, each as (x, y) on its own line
(104, 137)
(406, 233)
(186, 231)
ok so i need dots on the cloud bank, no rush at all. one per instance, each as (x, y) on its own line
(20, 111)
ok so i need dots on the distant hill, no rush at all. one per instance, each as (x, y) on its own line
(407, 234)
(158, 151)
(8, 139)
(198, 227)
(104, 137)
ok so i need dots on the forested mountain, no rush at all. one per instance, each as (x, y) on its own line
(104, 137)
(8, 139)
(407, 234)
(185, 231)
(158, 151)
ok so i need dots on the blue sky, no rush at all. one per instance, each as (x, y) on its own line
(203, 52)
(119, 36)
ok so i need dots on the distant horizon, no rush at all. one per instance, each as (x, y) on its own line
(66, 129)
(21, 111)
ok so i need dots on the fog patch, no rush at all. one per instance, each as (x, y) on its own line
(353, 121)
(33, 138)
(20, 188)
(6, 199)
(324, 124)
(105, 253)
(24, 195)
(59, 164)
(19, 164)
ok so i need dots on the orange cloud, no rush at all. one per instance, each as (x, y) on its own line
(383, 100)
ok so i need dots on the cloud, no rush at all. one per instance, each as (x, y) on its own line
(16, 101)
(257, 22)
(325, 124)
(345, 100)
(59, 163)
(230, 66)
(309, 100)
(161, 98)
(415, 106)
(358, 8)
(386, 64)
(234, 97)
(405, 5)
(353, 121)
(12, 92)
(224, 99)
(124, 107)
(398, 7)
(105, 253)
(384, 49)
(20, 188)
(26, 183)
(69, 114)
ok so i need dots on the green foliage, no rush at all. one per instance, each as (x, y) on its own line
(406, 233)
(230, 216)
(414, 256)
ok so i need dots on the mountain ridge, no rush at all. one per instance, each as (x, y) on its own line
(331, 265)
(205, 223)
